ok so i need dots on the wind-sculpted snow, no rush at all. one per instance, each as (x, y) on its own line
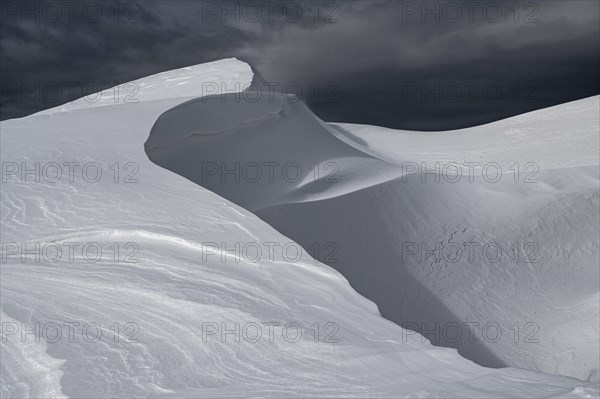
(554, 138)
(155, 314)
(290, 154)
(388, 209)
(222, 76)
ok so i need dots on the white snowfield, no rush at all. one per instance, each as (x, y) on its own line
(170, 309)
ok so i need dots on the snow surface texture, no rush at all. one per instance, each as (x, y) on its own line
(175, 290)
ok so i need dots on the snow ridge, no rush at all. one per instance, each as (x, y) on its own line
(163, 301)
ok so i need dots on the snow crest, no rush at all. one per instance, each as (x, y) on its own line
(150, 322)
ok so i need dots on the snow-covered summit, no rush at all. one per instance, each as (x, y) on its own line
(171, 308)
(221, 76)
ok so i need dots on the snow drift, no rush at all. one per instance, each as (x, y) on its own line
(158, 313)
(483, 239)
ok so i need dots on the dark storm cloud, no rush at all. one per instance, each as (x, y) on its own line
(402, 70)
(38, 55)
(414, 65)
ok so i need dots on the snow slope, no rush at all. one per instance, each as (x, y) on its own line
(223, 76)
(169, 290)
(398, 214)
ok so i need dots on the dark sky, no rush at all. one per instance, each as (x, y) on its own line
(422, 65)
